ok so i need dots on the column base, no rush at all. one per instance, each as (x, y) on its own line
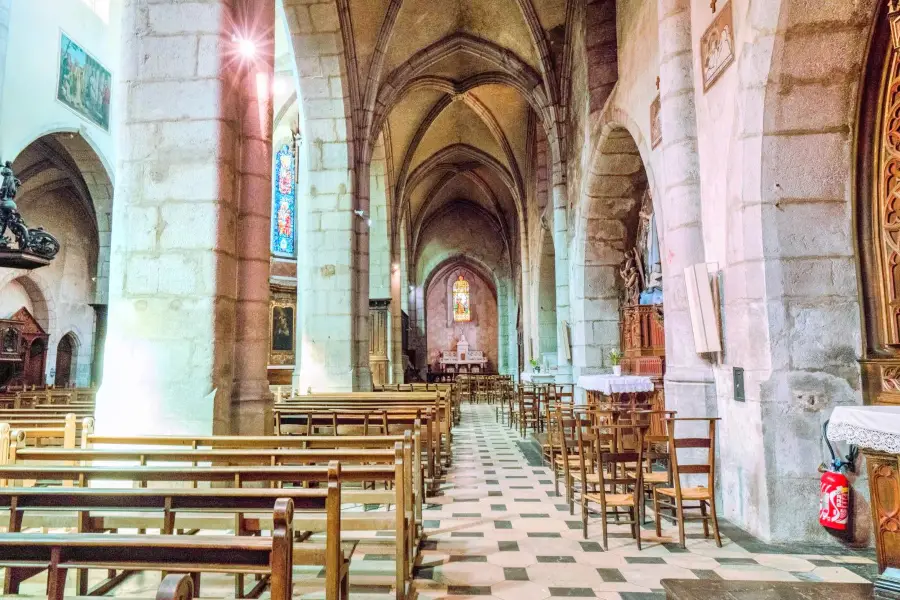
(251, 411)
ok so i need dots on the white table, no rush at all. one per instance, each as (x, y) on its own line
(537, 378)
(615, 384)
(872, 427)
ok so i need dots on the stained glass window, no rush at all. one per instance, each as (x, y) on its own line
(461, 309)
(284, 203)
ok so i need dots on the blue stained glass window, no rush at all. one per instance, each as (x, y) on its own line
(284, 203)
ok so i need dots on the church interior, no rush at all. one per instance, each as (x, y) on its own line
(521, 299)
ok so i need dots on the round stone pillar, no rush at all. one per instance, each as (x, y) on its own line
(689, 384)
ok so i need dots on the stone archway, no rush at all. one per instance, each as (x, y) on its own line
(606, 227)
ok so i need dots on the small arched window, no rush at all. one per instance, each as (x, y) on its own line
(462, 311)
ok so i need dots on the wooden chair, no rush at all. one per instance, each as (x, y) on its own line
(565, 451)
(608, 480)
(529, 409)
(673, 498)
(656, 453)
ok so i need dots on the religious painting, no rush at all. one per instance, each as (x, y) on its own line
(462, 311)
(717, 47)
(84, 84)
(282, 328)
(655, 122)
(284, 202)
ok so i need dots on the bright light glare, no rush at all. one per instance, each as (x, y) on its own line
(247, 48)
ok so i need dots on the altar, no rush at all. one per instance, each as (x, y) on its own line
(463, 360)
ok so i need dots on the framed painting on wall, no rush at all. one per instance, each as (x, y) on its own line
(84, 85)
(282, 309)
(717, 47)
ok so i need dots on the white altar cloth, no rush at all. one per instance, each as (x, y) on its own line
(615, 384)
(872, 427)
(539, 378)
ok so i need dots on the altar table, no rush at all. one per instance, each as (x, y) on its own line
(615, 384)
(538, 378)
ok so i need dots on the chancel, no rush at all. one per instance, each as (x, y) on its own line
(462, 359)
(521, 299)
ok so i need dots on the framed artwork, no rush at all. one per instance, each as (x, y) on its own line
(282, 311)
(84, 85)
(284, 202)
(655, 122)
(717, 47)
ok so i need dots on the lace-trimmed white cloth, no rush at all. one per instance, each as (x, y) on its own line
(612, 384)
(872, 427)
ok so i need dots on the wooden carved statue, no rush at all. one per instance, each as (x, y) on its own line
(631, 277)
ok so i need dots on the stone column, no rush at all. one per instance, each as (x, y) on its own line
(169, 348)
(325, 219)
(690, 388)
(561, 248)
(397, 361)
(5, 8)
(359, 295)
(251, 408)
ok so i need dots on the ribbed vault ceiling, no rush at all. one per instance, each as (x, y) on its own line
(452, 84)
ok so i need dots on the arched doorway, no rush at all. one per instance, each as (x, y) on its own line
(35, 362)
(65, 357)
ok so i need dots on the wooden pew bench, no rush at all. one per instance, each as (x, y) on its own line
(246, 511)
(357, 413)
(25, 555)
(440, 398)
(299, 442)
(401, 454)
(401, 521)
(309, 421)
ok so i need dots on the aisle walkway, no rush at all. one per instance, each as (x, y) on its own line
(497, 529)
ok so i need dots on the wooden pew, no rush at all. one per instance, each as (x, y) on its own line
(25, 555)
(315, 442)
(306, 419)
(441, 403)
(401, 522)
(243, 510)
(412, 480)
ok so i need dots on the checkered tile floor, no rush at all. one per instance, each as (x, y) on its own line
(498, 529)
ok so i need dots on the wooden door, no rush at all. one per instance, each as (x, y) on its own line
(64, 361)
(35, 359)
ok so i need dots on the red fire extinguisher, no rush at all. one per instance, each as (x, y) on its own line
(834, 501)
(834, 494)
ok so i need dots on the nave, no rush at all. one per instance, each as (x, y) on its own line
(496, 528)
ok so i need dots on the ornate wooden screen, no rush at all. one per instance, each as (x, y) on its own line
(878, 215)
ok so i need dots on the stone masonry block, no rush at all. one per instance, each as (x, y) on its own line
(324, 17)
(186, 17)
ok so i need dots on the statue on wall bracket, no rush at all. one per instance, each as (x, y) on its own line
(34, 247)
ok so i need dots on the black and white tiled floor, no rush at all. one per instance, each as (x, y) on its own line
(498, 529)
